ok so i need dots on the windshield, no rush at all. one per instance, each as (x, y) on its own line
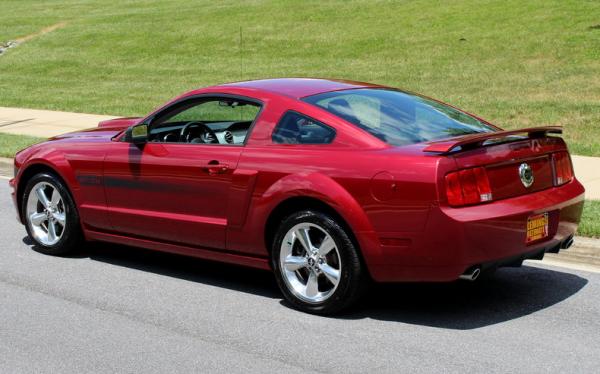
(396, 117)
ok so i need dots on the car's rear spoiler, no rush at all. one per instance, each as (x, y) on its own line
(477, 140)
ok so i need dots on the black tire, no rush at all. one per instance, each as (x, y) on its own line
(353, 280)
(71, 235)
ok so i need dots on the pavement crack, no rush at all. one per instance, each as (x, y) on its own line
(15, 122)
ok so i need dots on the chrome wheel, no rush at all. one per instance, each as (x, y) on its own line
(310, 262)
(46, 214)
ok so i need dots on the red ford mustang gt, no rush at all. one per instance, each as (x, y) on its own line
(328, 183)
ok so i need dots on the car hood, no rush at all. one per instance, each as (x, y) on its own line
(95, 134)
(106, 130)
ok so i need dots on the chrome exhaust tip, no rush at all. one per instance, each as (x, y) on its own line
(567, 243)
(471, 274)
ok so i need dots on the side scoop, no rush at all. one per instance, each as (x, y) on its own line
(119, 122)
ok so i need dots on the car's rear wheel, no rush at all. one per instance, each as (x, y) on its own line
(316, 264)
(50, 215)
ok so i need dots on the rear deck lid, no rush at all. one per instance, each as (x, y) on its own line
(514, 168)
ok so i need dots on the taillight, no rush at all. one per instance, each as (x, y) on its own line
(467, 187)
(562, 167)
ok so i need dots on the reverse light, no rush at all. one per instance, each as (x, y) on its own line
(467, 187)
(563, 168)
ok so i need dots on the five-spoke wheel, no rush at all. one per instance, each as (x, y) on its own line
(46, 213)
(50, 215)
(316, 263)
(310, 262)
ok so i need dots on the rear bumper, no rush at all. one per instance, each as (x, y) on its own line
(456, 239)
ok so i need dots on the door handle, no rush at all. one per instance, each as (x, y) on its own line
(214, 167)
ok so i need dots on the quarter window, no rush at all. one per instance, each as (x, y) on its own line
(295, 128)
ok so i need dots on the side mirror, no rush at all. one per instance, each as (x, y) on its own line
(137, 134)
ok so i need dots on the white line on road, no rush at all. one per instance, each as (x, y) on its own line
(566, 265)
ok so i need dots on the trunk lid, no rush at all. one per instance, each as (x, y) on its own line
(503, 163)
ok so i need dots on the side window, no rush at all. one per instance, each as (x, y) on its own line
(295, 128)
(218, 111)
(206, 121)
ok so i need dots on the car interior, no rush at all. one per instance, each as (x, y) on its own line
(213, 121)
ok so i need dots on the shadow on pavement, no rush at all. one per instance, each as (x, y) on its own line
(511, 293)
(237, 278)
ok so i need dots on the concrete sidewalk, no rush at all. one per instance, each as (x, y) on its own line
(46, 123)
(587, 170)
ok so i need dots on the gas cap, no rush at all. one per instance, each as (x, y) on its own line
(383, 186)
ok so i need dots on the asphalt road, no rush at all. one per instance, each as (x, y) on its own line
(119, 309)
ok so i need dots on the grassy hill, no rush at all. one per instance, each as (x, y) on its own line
(514, 63)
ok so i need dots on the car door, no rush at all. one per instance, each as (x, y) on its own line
(175, 187)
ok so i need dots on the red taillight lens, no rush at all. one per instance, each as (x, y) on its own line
(469, 186)
(453, 189)
(563, 168)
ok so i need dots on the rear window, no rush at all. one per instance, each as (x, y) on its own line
(396, 117)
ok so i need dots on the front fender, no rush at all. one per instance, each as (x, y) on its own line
(31, 162)
(51, 159)
(72, 167)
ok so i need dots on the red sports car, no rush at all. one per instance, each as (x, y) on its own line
(328, 183)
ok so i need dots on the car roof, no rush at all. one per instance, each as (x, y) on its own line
(299, 87)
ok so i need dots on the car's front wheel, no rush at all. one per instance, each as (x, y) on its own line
(50, 215)
(316, 264)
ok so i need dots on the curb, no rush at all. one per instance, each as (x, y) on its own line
(6, 167)
(585, 242)
(584, 252)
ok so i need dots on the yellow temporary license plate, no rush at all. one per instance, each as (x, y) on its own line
(537, 227)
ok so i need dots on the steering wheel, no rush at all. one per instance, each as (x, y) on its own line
(207, 136)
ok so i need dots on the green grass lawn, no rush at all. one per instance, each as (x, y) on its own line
(513, 62)
(590, 221)
(11, 144)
